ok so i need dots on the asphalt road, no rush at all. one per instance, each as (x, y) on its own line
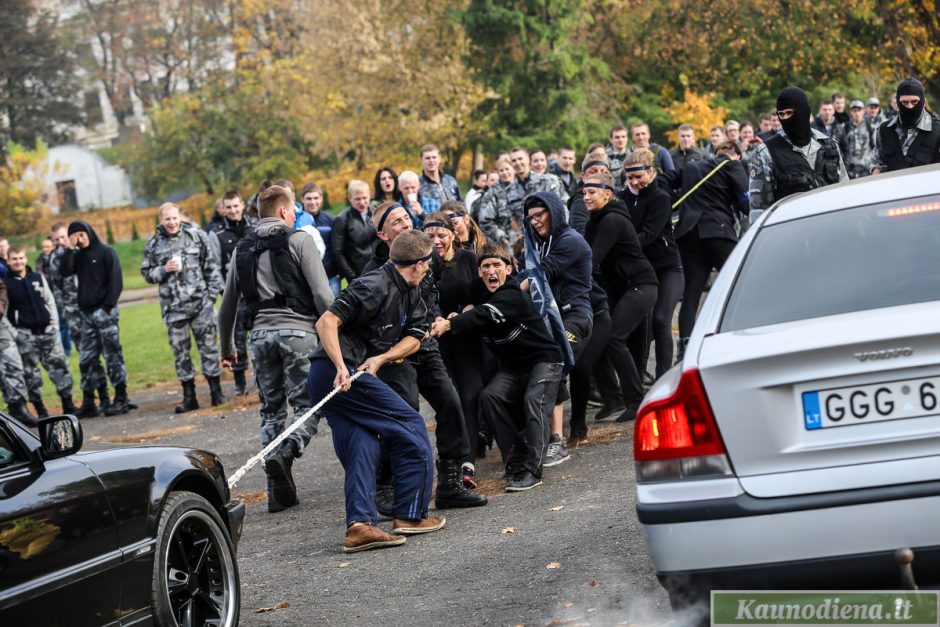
(568, 552)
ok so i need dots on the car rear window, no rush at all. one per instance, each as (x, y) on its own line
(838, 262)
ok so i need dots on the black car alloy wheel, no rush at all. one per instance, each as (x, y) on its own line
(195, 575)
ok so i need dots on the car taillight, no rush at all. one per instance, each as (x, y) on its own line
(677, 437)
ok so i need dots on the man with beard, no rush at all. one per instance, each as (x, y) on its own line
(797, 159)
(913, 137)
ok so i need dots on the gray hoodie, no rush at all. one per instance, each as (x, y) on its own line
(304, 251)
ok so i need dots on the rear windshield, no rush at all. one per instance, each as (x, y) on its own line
(839, 262)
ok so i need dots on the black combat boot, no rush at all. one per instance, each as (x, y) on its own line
(88, 408)
(215, 391)
(189, 398)
(451, 491)
(105, 402)
(282, 491)
(19, 411)
(241, 387)
(68, 407)
(119, 404)
(41, 411)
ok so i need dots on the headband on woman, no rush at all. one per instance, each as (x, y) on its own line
(385, 215)
(598, 186)
(595, 163)
(456, 214)
(440, 225)
(637, 168)
(412, 262)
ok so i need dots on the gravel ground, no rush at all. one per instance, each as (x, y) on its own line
(567, 552)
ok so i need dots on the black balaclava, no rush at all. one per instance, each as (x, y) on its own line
(910, 87)
(797, 127)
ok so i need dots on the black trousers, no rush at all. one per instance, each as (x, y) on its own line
(424, 372)
(671, 285)
(699, 258)
(463, 358)
(518, 407)
(578, 332)
(583, 367)
(629, 312)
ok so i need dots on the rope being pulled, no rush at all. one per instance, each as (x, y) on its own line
(251, 463)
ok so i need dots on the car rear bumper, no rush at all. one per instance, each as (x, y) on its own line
(740, 533)
(235, 513)
(873, 571)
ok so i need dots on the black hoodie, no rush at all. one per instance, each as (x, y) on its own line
(512, 327)
(566, 258)
(618, 259)
(98, 268)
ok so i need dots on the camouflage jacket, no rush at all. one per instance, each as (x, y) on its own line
(858, 149)
(64, 288)
(182, 293)
(501, 208)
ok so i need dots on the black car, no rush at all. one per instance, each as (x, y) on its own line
(115, 536)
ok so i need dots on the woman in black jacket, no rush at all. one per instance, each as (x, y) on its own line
(650, 209)
(458, 286)
(625, 274)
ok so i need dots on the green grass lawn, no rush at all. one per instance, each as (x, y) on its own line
(146, 353)
(131, 254)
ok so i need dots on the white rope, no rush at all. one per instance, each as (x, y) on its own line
(241, 472)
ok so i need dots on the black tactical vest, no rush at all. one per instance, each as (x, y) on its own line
(293, 291)
(923, 151)
(229, 235)
(792, 171)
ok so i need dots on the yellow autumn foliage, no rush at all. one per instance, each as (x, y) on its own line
(698, 111)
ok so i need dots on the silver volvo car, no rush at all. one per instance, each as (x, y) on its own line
(797, 445)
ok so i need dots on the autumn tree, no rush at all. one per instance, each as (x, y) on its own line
(171, 46)
(22, 187)
(698, 111)
(546, 88)
(38, 88)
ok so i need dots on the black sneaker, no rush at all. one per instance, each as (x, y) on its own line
(609, 409)
(385, 499)
(629, 413)
(523, 481)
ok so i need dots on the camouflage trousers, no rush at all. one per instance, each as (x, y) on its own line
(46, 349)
(241, 337)
(204, 329)
(100, 338)
(12, 381)
(73, 317)
(281, 360)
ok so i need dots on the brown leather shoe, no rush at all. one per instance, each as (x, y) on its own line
(363, 536)
(413, 527)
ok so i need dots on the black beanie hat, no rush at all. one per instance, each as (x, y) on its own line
(77, 226)
(797, 127)
(910, 87)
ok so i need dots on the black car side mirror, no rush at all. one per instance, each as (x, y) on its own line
(60, 436)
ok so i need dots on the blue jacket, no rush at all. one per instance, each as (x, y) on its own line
(566, 259)
(301, 217)
(324, 223)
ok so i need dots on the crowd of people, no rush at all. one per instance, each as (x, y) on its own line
(540, 286)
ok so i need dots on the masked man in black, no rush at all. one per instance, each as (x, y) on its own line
(797, 159)
(913, 137)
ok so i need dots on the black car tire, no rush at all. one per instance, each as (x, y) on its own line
(188, 594)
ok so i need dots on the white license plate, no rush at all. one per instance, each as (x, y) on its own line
(892, 400)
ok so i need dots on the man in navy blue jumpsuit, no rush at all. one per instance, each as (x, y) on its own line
(379, 318)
